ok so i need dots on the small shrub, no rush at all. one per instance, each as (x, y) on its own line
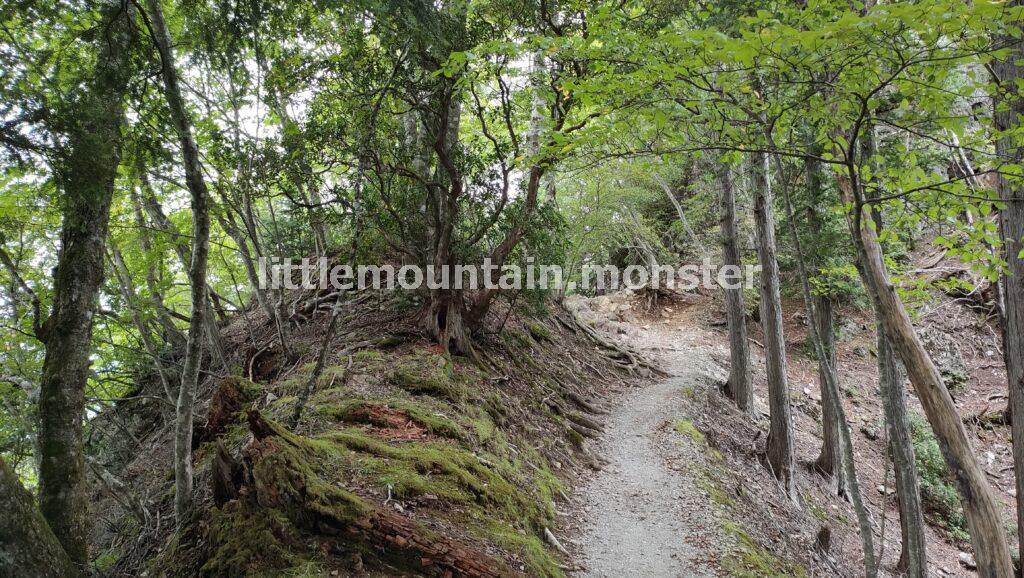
(940, 498)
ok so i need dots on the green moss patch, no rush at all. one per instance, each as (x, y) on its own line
(299, 495)
(430, 374)
(443, 469)
(750, 560)
(251, 541)
(688, 429)
(369, 356)
(528, 547)
(538, 331)
(517, 339)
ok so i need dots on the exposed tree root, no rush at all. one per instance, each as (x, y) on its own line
(621, 355)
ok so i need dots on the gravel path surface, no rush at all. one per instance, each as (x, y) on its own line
(642, 512)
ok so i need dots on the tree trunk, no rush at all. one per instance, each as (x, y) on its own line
(739, 387)
(894, 407)
(183, 250)
(197, 267)
(913, 555)
(27, 545)
(847, 466)
(87, 183)
(780, 435)
(1008, 111)
(828, 459)
(987, 534)
(169, 331)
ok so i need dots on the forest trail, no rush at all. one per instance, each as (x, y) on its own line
(643, 515)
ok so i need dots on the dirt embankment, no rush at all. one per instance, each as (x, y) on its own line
(406, 459)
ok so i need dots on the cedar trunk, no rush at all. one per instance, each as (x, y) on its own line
(738, 388)
(780, 435)
(1008, 111)
(828, 459)
(987, 535)
(913, 555)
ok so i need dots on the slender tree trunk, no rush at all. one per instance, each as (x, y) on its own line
(197, 267)
(87, 184)
(780, 435)
(829, 376)
(739, 387)
(27, 545)
(987, 534)
(828, 460)
(1009, 108)
(894, 407)
(913, 558)
(913, 555)
(184, 252)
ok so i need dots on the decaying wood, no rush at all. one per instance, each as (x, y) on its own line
(399, 536)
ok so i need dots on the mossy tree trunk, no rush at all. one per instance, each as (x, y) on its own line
(86, 182)
(27, 545)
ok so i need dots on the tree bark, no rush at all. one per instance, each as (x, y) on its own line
(830, 377)
(27, 545)
(86, 179)
(1009, 107)
(197, 267)
(780, 435)
(987, 535)
(184, 251)
(913, 555)
(828, 461)
(894, 407)
(739, 387)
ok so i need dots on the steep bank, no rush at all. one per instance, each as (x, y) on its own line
(406, 459)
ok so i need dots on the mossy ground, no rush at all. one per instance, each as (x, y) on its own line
(751, 560)
(461, 469)
(433, 374)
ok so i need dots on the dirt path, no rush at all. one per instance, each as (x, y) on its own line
(643, 514)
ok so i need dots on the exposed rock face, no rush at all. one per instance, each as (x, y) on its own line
(945, 353)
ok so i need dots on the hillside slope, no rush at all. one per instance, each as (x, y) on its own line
(405, 459)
